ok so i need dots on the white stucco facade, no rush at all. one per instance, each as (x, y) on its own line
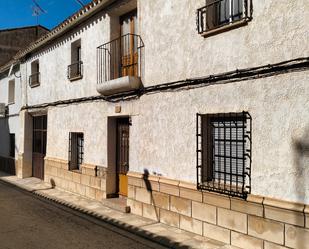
(163, 130)
(10, 123)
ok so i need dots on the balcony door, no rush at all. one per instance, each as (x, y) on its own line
(129, 55)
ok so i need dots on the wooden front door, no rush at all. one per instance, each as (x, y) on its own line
(39, 145)
(122, 159)
(129, 55)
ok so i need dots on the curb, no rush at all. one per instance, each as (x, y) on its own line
(163, 241)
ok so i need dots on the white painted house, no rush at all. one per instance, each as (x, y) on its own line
(195, 111)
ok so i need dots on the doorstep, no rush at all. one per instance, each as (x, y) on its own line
(117, 203)
(170, 237)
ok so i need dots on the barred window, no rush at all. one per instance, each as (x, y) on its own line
(218, 13)
(224, 153)
(76, 150)
(34, 78)
(76, 66)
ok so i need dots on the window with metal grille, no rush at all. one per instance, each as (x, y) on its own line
(217, 13)
(75, 68)
(76, 150)
(34, 78)
(12, 145)
(224, 153)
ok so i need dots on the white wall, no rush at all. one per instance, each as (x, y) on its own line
(55, 59)
(10, 124)
(89, 118)
(162, 137)
(174, 50)
(163, 131)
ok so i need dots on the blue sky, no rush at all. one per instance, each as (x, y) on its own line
(18, 13)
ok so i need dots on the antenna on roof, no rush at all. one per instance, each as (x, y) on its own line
(37, 10)
(80, 2)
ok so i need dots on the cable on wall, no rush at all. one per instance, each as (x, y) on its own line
(295, 65)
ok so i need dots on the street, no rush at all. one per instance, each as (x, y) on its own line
(28, 222)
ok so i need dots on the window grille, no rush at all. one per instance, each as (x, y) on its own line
(76, 150)
(224, 153)
(75, 69)
(217, 13)
(34, 78)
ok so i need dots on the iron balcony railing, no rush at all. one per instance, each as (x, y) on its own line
(75, 70)
(34, 79)
(218, 13)
(120, 57)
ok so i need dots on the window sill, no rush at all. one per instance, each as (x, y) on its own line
(35, 85)
(228, 189)
(11, 103)
(76, 78)
(225, 28)
(76, 171)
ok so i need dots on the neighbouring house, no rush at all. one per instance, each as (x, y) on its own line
(193, 112)
(15, 39)
(11, 41)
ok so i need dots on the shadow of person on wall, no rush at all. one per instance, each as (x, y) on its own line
(52, 183)
(301, 163)
(149, 189)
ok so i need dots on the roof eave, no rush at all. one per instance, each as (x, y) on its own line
(66, 26)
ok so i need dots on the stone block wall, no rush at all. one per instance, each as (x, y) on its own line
(258, 222)
(89, 182)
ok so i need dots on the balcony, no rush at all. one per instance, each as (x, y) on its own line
(119, 65)
(34, 79)
(223, 15)
(75, 71)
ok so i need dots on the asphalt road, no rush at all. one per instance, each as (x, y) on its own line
(28, 222)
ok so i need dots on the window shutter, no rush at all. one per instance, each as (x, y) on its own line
(211, 14)
(11, 91)
(207, 150)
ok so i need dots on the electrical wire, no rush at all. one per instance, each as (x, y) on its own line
(299, 64)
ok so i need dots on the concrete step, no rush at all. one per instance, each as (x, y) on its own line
(117, 203)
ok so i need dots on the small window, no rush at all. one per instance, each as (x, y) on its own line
(221, 13)
(76, 150)
(224, 153)
(34, 78)
(11, 94)
(75, 68)
(12, 145)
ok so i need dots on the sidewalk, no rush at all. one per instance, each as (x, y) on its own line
(157, 232)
